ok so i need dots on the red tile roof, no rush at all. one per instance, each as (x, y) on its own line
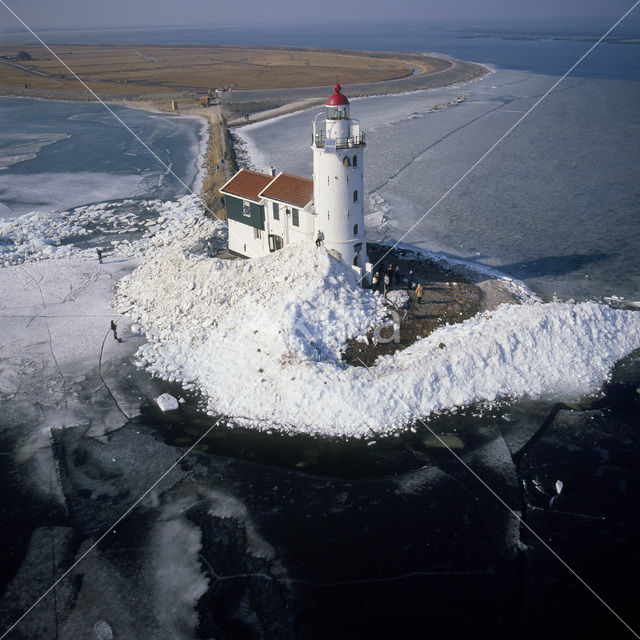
(247, 185)
(290, 189)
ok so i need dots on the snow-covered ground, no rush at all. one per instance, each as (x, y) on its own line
(261, 339)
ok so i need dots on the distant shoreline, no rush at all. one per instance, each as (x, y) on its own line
(405, 72)
(241, 108)
(263, 105)
(230, 109)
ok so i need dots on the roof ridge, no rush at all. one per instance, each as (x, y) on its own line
(258, 173)
(289, 188)
(293, 175)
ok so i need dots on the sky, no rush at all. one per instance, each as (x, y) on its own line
(72, 14)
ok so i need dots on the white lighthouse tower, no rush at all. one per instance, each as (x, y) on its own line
(338, 189)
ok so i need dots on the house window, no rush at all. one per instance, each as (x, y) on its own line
(276, 211)
(295, 218)
(355, 161)
(257, 233)
(246, 209)
(346, 162)
(355, 196)
(355, 229)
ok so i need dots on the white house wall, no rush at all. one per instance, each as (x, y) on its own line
(284, 226)
(242, 240)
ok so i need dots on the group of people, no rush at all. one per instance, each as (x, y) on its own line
(385, 282)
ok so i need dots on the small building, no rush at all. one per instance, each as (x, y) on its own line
(267, 212)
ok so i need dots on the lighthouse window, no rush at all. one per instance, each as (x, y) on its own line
(337, 113)
(355, 161)
(355, 196)
(346, 162)
(276, 210)
(295, 218)
(355, 229)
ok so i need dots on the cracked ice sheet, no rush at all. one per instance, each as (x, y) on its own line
(59, 363)
(55, 318)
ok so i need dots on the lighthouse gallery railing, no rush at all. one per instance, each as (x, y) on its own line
(318, 140)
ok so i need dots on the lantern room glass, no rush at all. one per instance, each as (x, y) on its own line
(337, 113)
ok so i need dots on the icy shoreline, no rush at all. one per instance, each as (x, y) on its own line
(261, 341)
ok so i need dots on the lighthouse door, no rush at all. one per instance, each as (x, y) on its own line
(275, 242)
(356, 259)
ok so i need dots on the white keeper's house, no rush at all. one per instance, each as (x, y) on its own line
(267, 212)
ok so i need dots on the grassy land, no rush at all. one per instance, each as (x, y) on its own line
(144, 71)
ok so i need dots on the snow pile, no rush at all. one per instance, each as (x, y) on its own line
(40, 236)
(150, 224)
(261, 339)
(181, 223)
(37, 236)
(397, 297)
(296, 304)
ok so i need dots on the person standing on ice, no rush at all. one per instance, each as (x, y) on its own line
(99, 255)
(320, 238)
(387, 282)
(419, 292)
(115, 332)
(410, 280)
(375, 280)
(397, 274)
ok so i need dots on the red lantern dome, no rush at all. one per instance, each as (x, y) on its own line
(337, 99)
